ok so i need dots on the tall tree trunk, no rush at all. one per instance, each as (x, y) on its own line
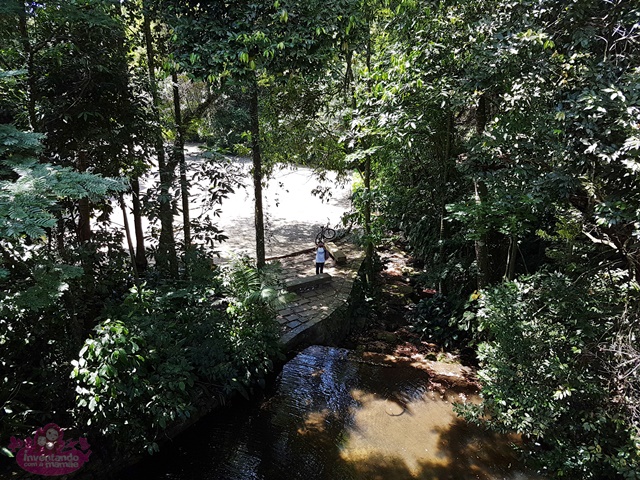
(60, 238)
(31, 81)
(166, 259)
(348, 75)
(482, 249)
(481, 244)
(511, 258)
(127, 231)
(141, 256)
(178, 153)
(84, 208)
(257, 176)
(448, 150)
(367, 186)
(367, 222)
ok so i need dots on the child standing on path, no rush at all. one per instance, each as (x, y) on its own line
(321, 256)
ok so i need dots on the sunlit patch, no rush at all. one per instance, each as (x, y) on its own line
(423, 438)
(387, 432)
(314, 422)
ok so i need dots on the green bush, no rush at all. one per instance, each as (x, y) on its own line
(42, 323)
(447, 324)
(161, 355)
(543, 375)
(132, 376)
(431, 320)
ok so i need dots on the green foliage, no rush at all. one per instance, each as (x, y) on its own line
(431, 319)
(16, 145)
(300, 124)
(228, 118)
(26, 203)
(81, 84)
(255, 291)
(41, 309)
(542, 374)
(38, 334)
(450, 326)
(235, 40)
(133, 380)
(33, 189)
(511, 215)
(162, 354)
(49, 284)
(498, 119)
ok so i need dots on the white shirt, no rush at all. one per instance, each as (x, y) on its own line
(321, 255)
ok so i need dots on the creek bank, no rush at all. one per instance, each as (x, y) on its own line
(389, 336)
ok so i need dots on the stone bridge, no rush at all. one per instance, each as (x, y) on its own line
(318, 313)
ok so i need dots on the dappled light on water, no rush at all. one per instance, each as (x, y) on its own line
(422, 438)
(337, 415)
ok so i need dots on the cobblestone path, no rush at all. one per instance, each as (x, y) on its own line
(315, 304)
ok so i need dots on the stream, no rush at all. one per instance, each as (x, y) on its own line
(334, 415)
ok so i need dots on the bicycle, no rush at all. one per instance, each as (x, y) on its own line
(325, 233)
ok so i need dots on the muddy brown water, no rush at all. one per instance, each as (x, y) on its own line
(332, 415)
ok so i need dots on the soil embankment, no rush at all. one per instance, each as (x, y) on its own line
(389, 334)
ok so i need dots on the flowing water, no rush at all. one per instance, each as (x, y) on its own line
(334, 416)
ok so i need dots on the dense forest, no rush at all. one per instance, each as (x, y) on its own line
(498, 139)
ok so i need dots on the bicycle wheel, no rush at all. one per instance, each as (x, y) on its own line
(329, 233)
(319, 237)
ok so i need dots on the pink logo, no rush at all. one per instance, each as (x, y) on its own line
(47, 453)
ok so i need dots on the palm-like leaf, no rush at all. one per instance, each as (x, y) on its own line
(248, 287)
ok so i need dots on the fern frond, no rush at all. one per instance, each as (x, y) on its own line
(26, 202)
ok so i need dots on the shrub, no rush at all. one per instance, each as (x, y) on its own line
(542, 375)
(161, 355)
(450, 326)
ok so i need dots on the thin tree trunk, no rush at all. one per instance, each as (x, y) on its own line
(511, 259)
(178, 152)
(84, 220)
(84, 208)
(257, 176)
(482, 249)
(60, 231)
(31, 81)
(367, 220)
(166, 259)
(481, 244)
(141, 257)
(367, 186)
(127, 231)
(443, 207)
(348, 75)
